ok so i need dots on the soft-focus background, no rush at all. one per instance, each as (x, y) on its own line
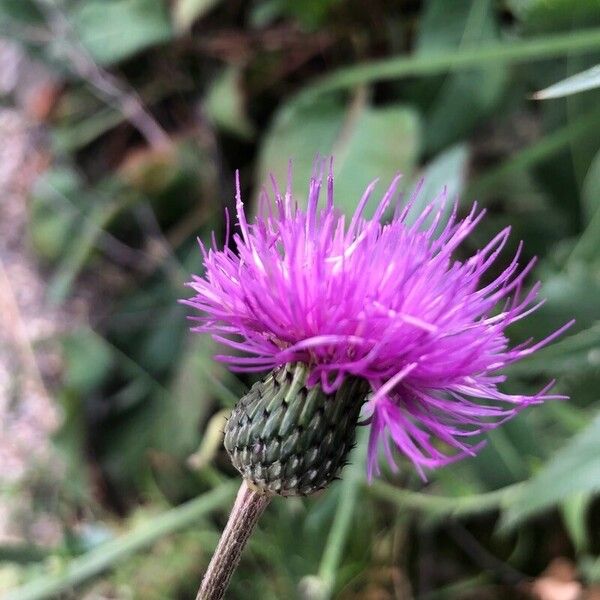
(121, 125)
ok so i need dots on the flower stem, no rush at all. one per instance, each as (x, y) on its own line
(246, 511)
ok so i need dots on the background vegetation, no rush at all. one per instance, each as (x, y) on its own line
(144, 110)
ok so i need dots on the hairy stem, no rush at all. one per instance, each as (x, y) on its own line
(248, 507)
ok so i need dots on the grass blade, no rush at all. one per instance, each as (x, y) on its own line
(571, 43)
(581, 82)
(340, 530)
(440, 506)
(105, 556)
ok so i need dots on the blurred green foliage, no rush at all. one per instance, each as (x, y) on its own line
(157, 104)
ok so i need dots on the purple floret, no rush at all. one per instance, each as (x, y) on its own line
(380, 300)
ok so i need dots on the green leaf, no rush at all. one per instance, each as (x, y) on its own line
(447, 171)
(53, 213)
(575, 352)
(543, 15)
(21, 11)
(465, 97)
(573, 294)
(113, 30)
(442, 27)
(380, 143)
(70, 136)
(311, 14)
(574, 469)
(299, 134)
(574, 512)
(366, 143)
(224, 104)
(80, 246)
(185, 12)
(71, 438)
(549, 146)
(590, 192)
(161, 345)
(590, 568)
(192, 392)
(587, 80)
(88, 360)
(586, 249)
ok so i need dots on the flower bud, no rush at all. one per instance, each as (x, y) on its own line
(288, 439)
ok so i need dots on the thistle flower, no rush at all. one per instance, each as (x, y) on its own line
(372, 315)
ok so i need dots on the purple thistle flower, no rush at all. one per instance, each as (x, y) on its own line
(385, 302)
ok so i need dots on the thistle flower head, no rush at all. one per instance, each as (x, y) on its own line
(383, 300)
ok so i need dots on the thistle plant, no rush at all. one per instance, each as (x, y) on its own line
(369, 322)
